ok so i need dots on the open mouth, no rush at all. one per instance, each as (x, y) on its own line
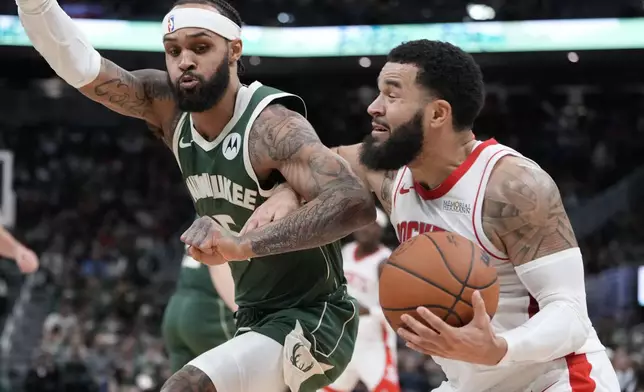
(188, 82)
(379, 131)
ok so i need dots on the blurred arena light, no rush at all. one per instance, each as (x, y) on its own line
(480, 12)
(365, 62)
(573, 57)
(284, 18)
(255, 60)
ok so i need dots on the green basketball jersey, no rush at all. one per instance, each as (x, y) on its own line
(195, 277)
(224, 186)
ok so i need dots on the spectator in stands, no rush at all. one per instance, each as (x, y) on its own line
(25, 258)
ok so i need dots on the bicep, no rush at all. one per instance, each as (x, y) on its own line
(141, 94)
(284, 140)
(523, 213)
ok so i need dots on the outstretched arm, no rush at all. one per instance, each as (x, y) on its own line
(379, 182)
(338, 202)
(141, 94)
(524, 216)
(11, 248)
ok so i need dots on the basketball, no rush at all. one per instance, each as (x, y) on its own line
(440, 271)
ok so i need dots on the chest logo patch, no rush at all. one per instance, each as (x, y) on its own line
(231, 146)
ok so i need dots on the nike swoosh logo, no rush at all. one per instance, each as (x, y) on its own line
(404, 190)
(184, 145)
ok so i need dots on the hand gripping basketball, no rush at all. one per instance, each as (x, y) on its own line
(476, 342)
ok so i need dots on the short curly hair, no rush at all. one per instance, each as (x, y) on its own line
(448, 73)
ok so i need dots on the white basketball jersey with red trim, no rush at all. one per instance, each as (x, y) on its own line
(362, 282)
(455, 206)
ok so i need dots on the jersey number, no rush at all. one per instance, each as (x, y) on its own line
(225, 221)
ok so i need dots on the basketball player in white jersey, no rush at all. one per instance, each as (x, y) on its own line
(430, 173)
(374, 357)
(11, 248)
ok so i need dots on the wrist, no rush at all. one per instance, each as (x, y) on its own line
(246, 246)
(499, 350)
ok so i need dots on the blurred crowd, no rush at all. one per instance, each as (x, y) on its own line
(359, 12)
(103, 206)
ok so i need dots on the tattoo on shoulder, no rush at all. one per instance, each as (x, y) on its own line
(281, 133)
(386, 191)
(524, 213)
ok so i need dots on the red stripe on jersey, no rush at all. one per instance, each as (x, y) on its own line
(456, 175)
(579, 373)
(402, 175)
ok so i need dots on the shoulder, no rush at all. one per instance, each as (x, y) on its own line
(520, 181)
(280, 133)
(523, 213)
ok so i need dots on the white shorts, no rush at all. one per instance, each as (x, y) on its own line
(250, 362)
(575, 373)
(374, 363)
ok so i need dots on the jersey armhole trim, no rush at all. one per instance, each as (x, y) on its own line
(176, 137)
(400, 175)
(477, 216)
(247, 163)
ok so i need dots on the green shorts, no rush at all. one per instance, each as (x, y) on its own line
(317, 340)
(194, 323)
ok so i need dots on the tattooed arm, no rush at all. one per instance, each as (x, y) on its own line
(523, 216)
(379, 182)
(338, 203)
(143, 94)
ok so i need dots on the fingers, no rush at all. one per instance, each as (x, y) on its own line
(433, 321)
(481, 318)
(201, 234)
(250, 225)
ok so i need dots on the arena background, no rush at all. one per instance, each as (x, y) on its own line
(101, 200)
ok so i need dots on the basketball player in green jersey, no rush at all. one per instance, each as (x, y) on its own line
(296, 324)
(199, 315)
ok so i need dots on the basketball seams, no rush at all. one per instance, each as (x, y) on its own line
(457, 297)
(429, 307)
(415, 275)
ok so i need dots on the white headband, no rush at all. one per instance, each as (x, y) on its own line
(180, 18)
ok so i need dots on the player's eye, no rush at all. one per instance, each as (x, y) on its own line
(199, 49)
(174, 52)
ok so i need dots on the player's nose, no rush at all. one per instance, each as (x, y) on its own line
(187, 62)
(376, 108)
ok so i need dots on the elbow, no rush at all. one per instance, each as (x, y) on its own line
(363, 210)
(580, 327)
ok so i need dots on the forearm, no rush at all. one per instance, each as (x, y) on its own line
(8, 244)
(222, 280)
(561, 326)
(334, 214)
(59, 41)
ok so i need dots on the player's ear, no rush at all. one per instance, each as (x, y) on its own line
(438, 113)
(236, 48)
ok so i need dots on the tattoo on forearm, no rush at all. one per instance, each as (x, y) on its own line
(386, 191)
(189, 379)
(523, 209)
(338, 202)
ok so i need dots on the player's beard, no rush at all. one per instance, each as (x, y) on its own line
(403, 146)
(207, 93)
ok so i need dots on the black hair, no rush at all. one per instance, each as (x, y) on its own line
(448, 73)
(225, 9)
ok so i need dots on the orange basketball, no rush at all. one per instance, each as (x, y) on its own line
(440, 271)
